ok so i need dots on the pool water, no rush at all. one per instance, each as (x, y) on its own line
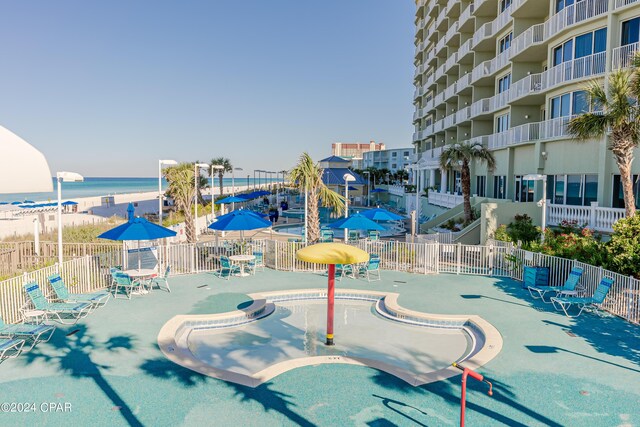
(297, 329)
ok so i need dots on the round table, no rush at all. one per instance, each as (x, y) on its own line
(143, 275)
(36, 316)
(242, 261)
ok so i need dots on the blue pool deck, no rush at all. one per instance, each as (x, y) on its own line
(552, 370)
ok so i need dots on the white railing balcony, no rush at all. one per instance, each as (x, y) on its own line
(438, 99)
(622, 3)
(594, 217)
(441, 16)
(451, 61)
(463, 114)
(450, 91)
(501, 100)
(396, 190)
(466, 14)
(438, 126)
(465, 48)
(442, 43)
(451, 32)
(622, 55)
(526, 86)
(443, 199)
(530, 132)
(482, 106)
(463, 82)
(530, 37)
(449, 121)
(485, 31)
(481, 70)
(482, 140)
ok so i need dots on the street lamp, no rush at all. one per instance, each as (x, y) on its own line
(160, 193)
(66, 177)
(196, 174)
(368, 187)
(347, 179)
(214, 168)
(543, 202)
(233, 186)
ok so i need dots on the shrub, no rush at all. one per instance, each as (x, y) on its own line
(522, 229)
(501, 234)
(574, 242)
(624, 247)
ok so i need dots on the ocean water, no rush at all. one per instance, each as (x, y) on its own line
(94, 186)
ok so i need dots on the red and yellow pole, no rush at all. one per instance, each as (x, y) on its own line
(330, 300)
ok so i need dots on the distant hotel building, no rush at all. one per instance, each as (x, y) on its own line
(509, 74)
(354, 150)
(393, 159)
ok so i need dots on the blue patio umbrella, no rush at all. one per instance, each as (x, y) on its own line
(379, 190)
(356, 222)
(28, 201)
(262, 193)
(239, 220)
(231, 199)
(248, 196)
(16, 203)
(69, 203)
(352, 188)
(4, 203)
(379, 214)
(137, 229)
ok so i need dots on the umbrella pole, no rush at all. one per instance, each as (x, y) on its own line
(138, 255)
(330, 300)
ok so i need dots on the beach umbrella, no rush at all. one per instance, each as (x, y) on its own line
(23, 169)
(137, 229)
(246, 196)
(260, 193)
(69, 203)
(16, 203)
(231, 199)
(331, 254)
(356, 222)
(239, 220)
(379, 214)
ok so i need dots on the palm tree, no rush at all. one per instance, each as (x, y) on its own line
(459, 156)
(226, 167)
(306, 176)
(615, 111)
(182, 191)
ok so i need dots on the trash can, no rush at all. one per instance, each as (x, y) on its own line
(535, 276)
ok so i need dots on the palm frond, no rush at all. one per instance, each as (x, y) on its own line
(331, 199)
(588, 126)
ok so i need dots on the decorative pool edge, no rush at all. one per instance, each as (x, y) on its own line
(173, 336)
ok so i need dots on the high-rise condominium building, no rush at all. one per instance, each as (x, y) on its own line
(352, 150)
(510, 74)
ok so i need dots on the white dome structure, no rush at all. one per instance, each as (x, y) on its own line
(23, 169)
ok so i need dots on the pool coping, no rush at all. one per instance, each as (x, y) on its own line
(171, 345)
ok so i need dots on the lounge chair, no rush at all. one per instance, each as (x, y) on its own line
(344, 270)
(57, 311)
(162, 279)
(10, 347)
(374, 235)
(125, 282)
(570, 286)
(354, 235)
(371, 270)
(97, 299)
(33, 334)
(590, 303)
(227, 267)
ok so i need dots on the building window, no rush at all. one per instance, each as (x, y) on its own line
(524, 189)
(618, 191)
(500, 187)
(504, 5)
(502, 123)
(481, 184)
(569, 104)
(505, 43)
(575, 190)
(581, 46)
(630, 31)
(457, 183)
(561, 4)
(504, 83)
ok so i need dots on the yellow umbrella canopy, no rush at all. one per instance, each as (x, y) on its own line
(332, 253)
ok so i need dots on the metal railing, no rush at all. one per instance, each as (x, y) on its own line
(89, 273)
(623, 55)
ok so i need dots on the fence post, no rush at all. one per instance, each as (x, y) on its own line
(490, 260)
(592, 215)
(437, 257)
(57, 266)
(631, 298)
(426, 257)
(87, 279)
(458, 256)
(275, 253)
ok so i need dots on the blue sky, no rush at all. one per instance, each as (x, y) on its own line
(107, 88)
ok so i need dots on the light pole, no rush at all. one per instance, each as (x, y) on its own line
(196, 175)
(233, 186)
(368, 187)
(254, 180)
(543, 202)
(160, 193)
(66, 177)
(213, 169)
(347, 179)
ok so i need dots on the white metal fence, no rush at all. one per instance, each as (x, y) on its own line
(495, 259)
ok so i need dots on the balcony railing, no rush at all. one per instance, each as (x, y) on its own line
(623, 3)
(594, 217)
(530, 132)
(622, 55)
(444, 200)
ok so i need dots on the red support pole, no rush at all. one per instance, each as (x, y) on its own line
(466, 372)
(330, 298)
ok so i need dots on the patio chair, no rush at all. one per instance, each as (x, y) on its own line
(354, 235)
(162, 279)
(227, 267)
(256, 263)
(326, 236)
(371, 270)
(590, 303)
(570, 286)
(33, 334)
(10, 348)
(97, 299)
(374, 235)
(56, 311)
(344, 270)
(112, 272)
(125, 282)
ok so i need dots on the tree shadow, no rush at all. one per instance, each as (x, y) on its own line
(72, 354)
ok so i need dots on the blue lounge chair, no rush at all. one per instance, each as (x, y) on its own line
(258, 262)
(57, 311)
(10, 347)
(344, 270)
(33, 334)
(590, 303)
(374, 235)
(354, 236)
(227, 268)
(97, 299)
(125, 282)
(163, 279)
(570, 286)
(371, 270)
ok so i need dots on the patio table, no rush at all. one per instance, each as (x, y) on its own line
(143, 275)
(242, 261)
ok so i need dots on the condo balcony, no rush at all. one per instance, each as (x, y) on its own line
(530, 133)
(622, 55)
(619, 4)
